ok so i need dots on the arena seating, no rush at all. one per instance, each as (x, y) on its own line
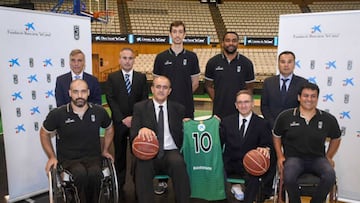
(255, 19)
(145, 63)
(264, 61)
(323, 6)
(154, 17)
(247, 18)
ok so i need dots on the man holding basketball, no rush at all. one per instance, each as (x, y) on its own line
(146, 123)
(239, 134)
(302, 132)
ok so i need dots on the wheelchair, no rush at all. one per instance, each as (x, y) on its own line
(63, 190)
(307, 183)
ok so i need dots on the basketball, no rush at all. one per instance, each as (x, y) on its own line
(96, 15)
(144, 149)
(255, 163)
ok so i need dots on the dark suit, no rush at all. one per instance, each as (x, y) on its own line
(63, 86)
(258, 134)
(172, 163)
(271, 104)
(121, 104)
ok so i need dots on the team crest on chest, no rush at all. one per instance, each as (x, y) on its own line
(320, 124)
(92, 118)
(185, 62)
(201, 127)
(238, 69)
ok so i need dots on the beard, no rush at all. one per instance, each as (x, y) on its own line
(230, 49)
(79, 102)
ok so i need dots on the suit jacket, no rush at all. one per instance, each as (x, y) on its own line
(271, 105)
(121, 103)
(258, 134)
(145, 116)
(63, 85)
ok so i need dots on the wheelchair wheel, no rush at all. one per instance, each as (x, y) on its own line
(61, 191)
(56, 194)
(333, 195)
(109, 186)
(279, 195)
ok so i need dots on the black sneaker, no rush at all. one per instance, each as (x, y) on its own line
(160, 188)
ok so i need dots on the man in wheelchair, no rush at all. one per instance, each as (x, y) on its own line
(78, 148)
(301, 132)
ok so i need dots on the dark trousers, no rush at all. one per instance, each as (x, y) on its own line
(294, 167)
(172, 164)
(268, 177)
(120, 147)
(87, 177)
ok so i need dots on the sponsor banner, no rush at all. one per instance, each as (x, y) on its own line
(327, 52)
(146, 39)
(35, 49)
(260, 41)
(197, 40)
(150, 39)
(109, 38)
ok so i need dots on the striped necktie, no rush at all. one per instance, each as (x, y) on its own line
(127, 83)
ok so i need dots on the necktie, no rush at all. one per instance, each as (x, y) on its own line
(283, 89)
(77, 77)
(160, 132)
(127, 83)
(242, 128)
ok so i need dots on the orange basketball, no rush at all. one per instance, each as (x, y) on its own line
(255, 163)
(144, 149)
(96, 15)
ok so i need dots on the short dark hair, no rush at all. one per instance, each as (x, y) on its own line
(311, 86)
(177, 24)
(245, 91)
(286, 52)
(230, 32)
(161, 76)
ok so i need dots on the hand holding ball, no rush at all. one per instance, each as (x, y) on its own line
(255, 163)
(144, 149)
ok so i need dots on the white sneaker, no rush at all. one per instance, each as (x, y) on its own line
(237, 191)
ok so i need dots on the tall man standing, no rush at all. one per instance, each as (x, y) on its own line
(125, 87)
(226, 74)
(181, 66)
(279, 93)
(77, 66)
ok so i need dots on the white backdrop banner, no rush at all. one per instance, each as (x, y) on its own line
(327, 47)
(35, 49)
